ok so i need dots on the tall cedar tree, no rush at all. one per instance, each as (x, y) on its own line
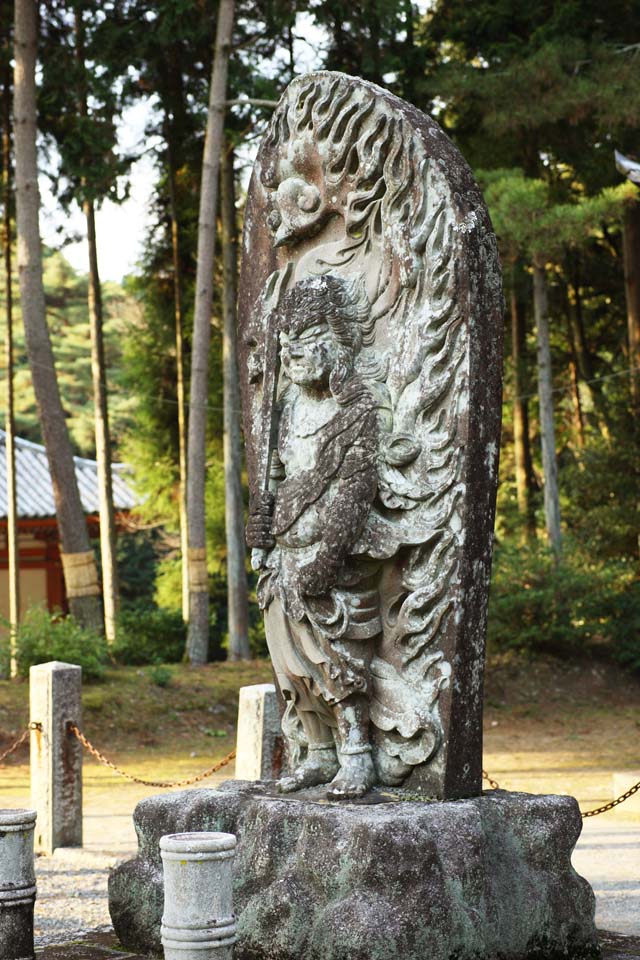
(78, 559)
(13, 549)
(78, 105)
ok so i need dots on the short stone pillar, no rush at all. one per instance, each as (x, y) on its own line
(17, 884)
(56, 755)
(198, 922)
(259, 742)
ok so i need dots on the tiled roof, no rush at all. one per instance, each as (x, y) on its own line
(35, 492)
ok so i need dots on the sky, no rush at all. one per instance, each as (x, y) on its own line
(120, 228)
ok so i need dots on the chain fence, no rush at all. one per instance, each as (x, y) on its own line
(100, 757)
(18, 743)
(583, 813)
(73, 729)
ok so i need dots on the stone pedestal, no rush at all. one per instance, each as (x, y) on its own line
(479, 879)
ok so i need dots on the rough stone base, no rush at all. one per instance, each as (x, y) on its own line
(489, 878)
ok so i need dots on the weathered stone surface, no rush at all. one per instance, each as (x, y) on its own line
(259, 738)
(55, 691)
(198, 922)
(371, 323)
(487, 878)
(17, 884)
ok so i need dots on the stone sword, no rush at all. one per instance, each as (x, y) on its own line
(268, 419)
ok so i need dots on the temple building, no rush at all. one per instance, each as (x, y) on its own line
(41, 578)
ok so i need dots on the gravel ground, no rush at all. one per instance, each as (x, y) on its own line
(72, 895)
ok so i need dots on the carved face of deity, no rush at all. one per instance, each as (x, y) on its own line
(309, 355)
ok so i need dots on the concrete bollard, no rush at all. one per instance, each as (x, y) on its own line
(198, 922)
(17, 884)
(56, 755)
(259, 740)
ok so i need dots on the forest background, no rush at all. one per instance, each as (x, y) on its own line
(537, 97)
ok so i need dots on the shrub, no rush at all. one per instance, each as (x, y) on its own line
(44, 636)
(564, 608)
(149, 635)
(161, 675)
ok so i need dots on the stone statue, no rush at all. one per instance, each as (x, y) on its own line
(370, 338)
(370, 320)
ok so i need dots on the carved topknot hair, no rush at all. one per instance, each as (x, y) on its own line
(343, 304)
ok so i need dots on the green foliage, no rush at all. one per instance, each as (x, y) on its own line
(568, 608)
(160, 675)
(137, 558)
(147, 634)
(43, 636)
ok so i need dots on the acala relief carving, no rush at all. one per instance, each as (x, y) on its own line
(370, 332)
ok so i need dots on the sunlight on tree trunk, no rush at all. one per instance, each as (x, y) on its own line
(13, 549)
(180, 378)
(522, 445)
(237, 589)
(545, 394)
(77, 556)
(198, 632)
(631, 244)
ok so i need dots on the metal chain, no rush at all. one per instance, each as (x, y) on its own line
(21, 739)
(100, 757)
(492, 783)
(614, 803)
(588, 813)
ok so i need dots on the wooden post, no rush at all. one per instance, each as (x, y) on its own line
(56, 755)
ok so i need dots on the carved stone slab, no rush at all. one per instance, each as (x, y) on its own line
(366, 236)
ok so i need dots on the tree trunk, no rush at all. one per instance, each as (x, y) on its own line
(583, 359)
(180, 378)
(198, 633)
(631, 246)
(237, 589)
(110, 592)
(576, 407)
(545, 394)
(13, 548)
(578, 417)
(522, 445)
(78, 560)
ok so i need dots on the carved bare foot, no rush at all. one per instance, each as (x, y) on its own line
(355, 777)
(320, 767)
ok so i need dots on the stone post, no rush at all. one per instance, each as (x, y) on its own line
(56, 755)
(17, 884)
(259, 743)
(198, 922)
